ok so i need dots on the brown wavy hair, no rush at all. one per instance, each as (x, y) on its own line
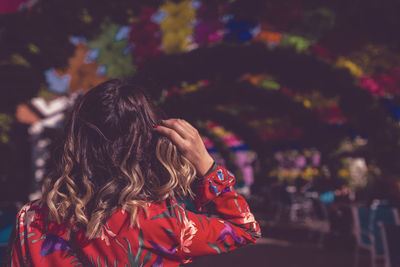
(110, 157)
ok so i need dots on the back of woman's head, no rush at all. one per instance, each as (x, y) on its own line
(110, 157)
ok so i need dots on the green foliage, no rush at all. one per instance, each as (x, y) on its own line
(119, 64)
(5, 127)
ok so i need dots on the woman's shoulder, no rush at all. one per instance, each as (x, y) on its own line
(31, 218)
(30, 210)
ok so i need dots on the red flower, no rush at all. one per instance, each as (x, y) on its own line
(320, 51)
(389, 84)
(145, 37)
(372, 86)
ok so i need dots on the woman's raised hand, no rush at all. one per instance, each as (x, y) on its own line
(189, 143)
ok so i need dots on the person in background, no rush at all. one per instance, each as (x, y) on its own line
(110, 198)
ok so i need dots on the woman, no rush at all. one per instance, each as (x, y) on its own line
(110, 199)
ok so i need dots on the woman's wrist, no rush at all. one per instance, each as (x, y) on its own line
(212, 169)
(205, 166)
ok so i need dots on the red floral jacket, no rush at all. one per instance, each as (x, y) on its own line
(169, 235)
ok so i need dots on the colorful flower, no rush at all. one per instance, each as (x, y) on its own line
(106, 233)
(16, 5)
(80, 74)
(114, 52)
(248, 217)
(164, 251)
(208, 32)
(176, 27)
(145, 36)
(320, 51)
(390, 84)
(372, 86)
(300, 43)
(241, 30)
(270, 38)
(254, 79)
(53, 243)
(27, 214)
(354, 69)
(187, 233)
(5, 126)
(209, 28)
(57, 83)
(228, 231)
(343, 173)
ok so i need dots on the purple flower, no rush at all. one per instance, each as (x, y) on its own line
(158, 262)
(279, 156)
(228, 230)
(53, 243)
(228, 189)
(172, 251)
(300, 161)
(208, 32)
(316, 159)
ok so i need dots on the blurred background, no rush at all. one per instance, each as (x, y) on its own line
(299, 99)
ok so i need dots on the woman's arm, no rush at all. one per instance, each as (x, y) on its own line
(234, 225)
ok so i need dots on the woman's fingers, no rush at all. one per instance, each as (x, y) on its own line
(172, 135)
(188, 141)
(190, 127)
(180, 127)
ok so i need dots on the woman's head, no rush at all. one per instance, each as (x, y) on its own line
(110, 157)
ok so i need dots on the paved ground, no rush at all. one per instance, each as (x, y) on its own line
(278, 253)
(290, 245)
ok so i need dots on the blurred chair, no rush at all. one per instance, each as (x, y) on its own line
(381, 214)
(298, 207)
(306, 210)
(368, 233)
(362, 233)
(391, 244)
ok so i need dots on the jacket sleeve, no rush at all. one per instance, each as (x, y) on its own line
(233, 226)
(18, 253)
